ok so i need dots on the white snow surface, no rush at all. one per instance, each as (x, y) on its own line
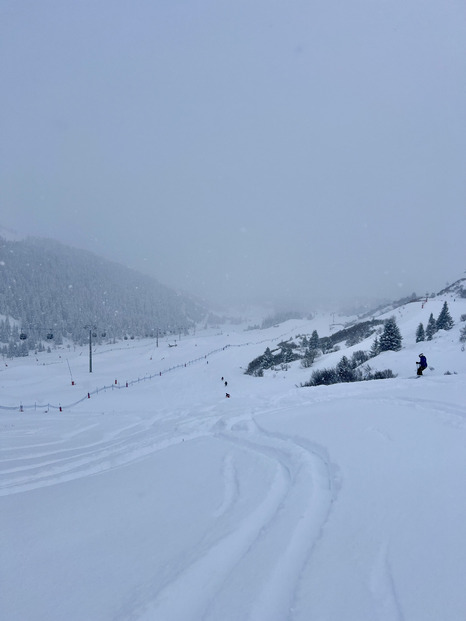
(167, 501)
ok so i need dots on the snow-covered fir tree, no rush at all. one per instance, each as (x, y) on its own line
(309, 356)
(375, 348)
(420, 333)
(267, 359)
(345, 371)
(431, 328)
(444, 320)
(463, 335)
(390, 339)
(314, 340)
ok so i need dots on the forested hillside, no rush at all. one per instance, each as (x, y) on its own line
(49, 291)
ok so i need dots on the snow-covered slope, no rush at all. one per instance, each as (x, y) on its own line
(167, 501)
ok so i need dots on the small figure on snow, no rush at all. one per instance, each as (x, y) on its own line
(422, 364)
(227, 395)
(226, 383)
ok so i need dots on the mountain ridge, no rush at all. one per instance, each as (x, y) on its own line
(50, 288)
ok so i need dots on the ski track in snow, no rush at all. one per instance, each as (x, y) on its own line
(449, 414)
(52, 462)
(116, 449)
(254, 558)
(231, 488)
(383, 588)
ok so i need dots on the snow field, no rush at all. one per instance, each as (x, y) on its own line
(166, 501)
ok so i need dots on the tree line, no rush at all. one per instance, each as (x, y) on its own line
(48, 289)
(443, 322)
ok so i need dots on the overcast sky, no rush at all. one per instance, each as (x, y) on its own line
(242, 150)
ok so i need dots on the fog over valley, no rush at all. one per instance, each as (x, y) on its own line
(288, 155)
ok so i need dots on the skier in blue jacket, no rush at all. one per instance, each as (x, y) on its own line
(422, 364)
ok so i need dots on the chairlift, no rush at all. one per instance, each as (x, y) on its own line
(23, 336)
(104, 334)
(94, 335)
(50, 336)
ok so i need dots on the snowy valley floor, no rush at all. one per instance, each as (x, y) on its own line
(166, 501)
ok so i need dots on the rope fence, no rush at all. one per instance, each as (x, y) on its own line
(116, 386)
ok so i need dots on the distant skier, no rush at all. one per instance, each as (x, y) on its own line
(422, 364)
(227, 395)
(226, 383)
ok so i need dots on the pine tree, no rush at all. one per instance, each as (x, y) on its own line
(310, 355)
(267, 359)
(375, 348)
(359, 357)
(444, 320)
(314, 341)
(390, 339)
(345, 371)
(287, 354)
(463, 335)
(431, 328)
(420, 334)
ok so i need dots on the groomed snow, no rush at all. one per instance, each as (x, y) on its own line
(167, 501)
